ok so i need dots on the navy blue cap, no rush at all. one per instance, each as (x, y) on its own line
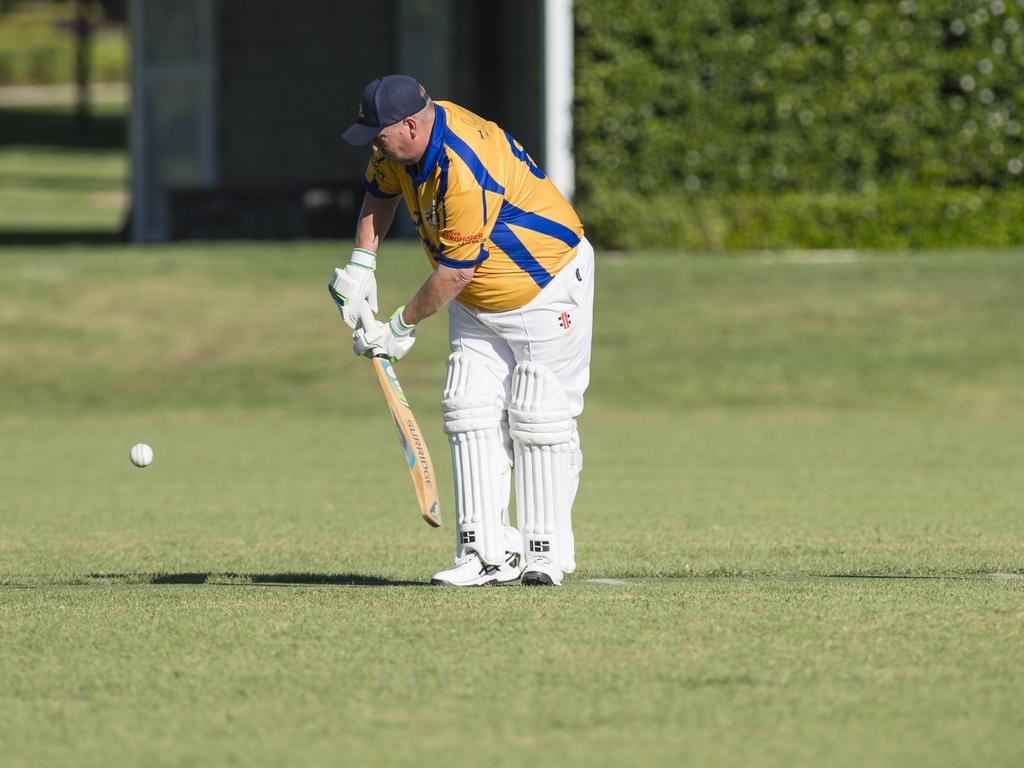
(385, 101)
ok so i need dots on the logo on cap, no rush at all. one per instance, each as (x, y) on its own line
(384, 102)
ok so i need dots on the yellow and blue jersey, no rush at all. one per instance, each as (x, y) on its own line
(478, 200)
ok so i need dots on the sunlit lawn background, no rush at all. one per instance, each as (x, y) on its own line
(800, 527)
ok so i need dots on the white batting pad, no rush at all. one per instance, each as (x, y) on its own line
(547, 463)
(472, 421)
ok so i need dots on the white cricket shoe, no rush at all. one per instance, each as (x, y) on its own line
(469, 571)
(510, 570)
(541, 572)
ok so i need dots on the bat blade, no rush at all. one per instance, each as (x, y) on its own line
(421, 468)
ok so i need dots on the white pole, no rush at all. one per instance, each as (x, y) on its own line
(558, 94)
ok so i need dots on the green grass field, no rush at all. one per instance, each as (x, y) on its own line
(56, 181)
(800, 529)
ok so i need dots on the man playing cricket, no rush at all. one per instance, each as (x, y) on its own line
(511, 264)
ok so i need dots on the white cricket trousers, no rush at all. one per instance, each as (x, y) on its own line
(554, 330)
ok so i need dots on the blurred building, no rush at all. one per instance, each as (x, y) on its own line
(238, 105)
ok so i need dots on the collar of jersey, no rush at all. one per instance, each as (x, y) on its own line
(434, 149)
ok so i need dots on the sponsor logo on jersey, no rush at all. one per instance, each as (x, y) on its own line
(459, 237)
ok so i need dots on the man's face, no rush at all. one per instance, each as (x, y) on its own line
(397, 142)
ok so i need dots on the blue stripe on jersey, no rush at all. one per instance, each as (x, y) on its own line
(434, 151)
(521, 154)
(505, 238)
(483, 178)
(442, 190)
(432, 250)
(463, 264)
(376, 191)
(537, 223)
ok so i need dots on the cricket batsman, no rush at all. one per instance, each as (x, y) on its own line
(516, 274)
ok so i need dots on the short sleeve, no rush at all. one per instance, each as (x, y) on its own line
(381, 180)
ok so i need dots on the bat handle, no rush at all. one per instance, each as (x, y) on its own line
(367, 320)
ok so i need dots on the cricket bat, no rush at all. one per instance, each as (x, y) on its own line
(421, 468)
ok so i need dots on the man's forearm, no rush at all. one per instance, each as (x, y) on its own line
(440, 288)
(375, 219)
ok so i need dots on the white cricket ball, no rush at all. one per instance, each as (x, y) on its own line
(141, 455)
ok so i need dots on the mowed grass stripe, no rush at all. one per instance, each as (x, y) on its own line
(767, 445)
(724, 673)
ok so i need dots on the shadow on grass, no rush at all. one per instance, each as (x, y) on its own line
(230, 579)
(56, 127)
(257, 579)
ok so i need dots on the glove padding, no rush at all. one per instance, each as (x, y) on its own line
(393, 338)
(351, 286)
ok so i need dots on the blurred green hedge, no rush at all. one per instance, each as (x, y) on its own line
(784, 123)
(37, 46)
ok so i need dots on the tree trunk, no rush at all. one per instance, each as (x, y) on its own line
(83, 41)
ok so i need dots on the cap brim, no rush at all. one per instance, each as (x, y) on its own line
(360, 134)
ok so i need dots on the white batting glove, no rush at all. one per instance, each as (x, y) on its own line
(393, 338)
(351, 286)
